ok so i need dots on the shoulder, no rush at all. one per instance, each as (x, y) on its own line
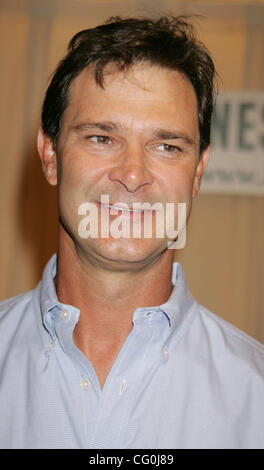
(15, 304)
(227, 345)
(17, 317)
(219, 326)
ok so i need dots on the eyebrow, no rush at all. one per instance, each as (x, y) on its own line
(109, 126)
(104, 126)
(168, 135)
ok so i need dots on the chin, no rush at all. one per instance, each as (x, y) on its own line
(126, 252)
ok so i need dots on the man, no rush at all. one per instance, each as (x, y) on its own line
(111, 350)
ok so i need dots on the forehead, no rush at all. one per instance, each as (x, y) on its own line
(148, 92)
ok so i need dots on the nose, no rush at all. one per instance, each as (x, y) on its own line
(132, 172)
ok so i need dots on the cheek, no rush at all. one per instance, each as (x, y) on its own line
(178, 186)
(73, 180)
(79, 174)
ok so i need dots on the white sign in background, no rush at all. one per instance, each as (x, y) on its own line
(236, 163)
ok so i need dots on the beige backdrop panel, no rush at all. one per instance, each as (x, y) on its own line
(223, 258)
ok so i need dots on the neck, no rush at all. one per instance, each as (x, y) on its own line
(107, 298)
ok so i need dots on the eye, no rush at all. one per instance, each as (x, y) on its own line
(168, 148)
(100, 139)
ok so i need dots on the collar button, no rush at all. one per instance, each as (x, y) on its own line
(65, 314)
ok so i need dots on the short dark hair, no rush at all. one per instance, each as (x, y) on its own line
(168, 42)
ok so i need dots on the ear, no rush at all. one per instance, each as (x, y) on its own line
(202, 164)
(48, 157)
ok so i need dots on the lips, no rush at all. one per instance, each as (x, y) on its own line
(124, 209)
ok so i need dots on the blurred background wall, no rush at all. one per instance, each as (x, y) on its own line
(223, 258)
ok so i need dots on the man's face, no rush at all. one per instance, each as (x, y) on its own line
(135, 140)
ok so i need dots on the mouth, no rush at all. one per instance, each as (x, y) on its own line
(124, 209)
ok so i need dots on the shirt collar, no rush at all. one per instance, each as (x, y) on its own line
(175, 308)
(48, 295)
(180, 301)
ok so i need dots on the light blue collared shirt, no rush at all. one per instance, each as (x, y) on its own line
(184, 378)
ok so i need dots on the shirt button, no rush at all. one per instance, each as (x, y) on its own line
(85, 384)
(165, 353)
(50, 346)
(65, 314)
